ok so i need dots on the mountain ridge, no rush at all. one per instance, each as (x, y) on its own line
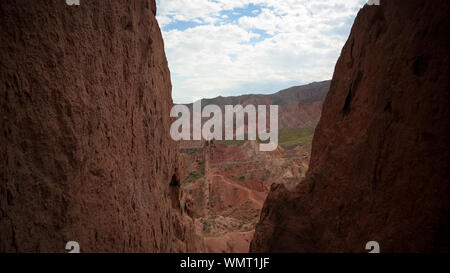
(299, 106)
(240, 99)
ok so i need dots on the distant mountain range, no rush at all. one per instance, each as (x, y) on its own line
(299, 106)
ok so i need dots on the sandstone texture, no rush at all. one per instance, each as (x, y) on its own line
(85, 150)
(379, 163)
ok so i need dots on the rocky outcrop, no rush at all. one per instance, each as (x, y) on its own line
(379, 165)
(86, 154)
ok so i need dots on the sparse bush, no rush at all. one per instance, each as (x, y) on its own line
(193, 176)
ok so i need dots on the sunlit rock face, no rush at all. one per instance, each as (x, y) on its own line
(86, 154)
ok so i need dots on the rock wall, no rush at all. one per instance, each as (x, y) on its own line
(379, 167)
(85, 153)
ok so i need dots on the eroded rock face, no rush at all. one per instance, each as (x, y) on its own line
(379, 165)
(86, 154)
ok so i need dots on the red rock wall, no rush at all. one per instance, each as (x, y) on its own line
(379, 166)
(85, 153)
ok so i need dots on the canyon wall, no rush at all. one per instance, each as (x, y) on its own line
(379, 163)
(85, 153)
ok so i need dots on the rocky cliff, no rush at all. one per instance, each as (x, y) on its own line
(85, 153)
(379, 165)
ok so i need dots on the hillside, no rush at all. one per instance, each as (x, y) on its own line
(299, 106)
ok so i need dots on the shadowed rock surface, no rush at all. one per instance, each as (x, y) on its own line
(86, 154)
(379, 163)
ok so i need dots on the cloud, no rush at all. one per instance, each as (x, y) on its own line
(230, 47)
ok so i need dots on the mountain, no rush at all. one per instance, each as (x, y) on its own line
(299, 106)
(379, 164)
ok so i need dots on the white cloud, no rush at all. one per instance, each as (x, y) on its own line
(281, 41)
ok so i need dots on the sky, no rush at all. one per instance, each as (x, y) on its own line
(234, 47)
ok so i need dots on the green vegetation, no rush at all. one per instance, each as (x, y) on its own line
(288, 137)
(295, 136)
(242, 178)
(201, 167)
(232, 143)
(198, 173)
(193, 176)
(214, 200)
(208, 224)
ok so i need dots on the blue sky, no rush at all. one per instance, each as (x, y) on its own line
(233, 47)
